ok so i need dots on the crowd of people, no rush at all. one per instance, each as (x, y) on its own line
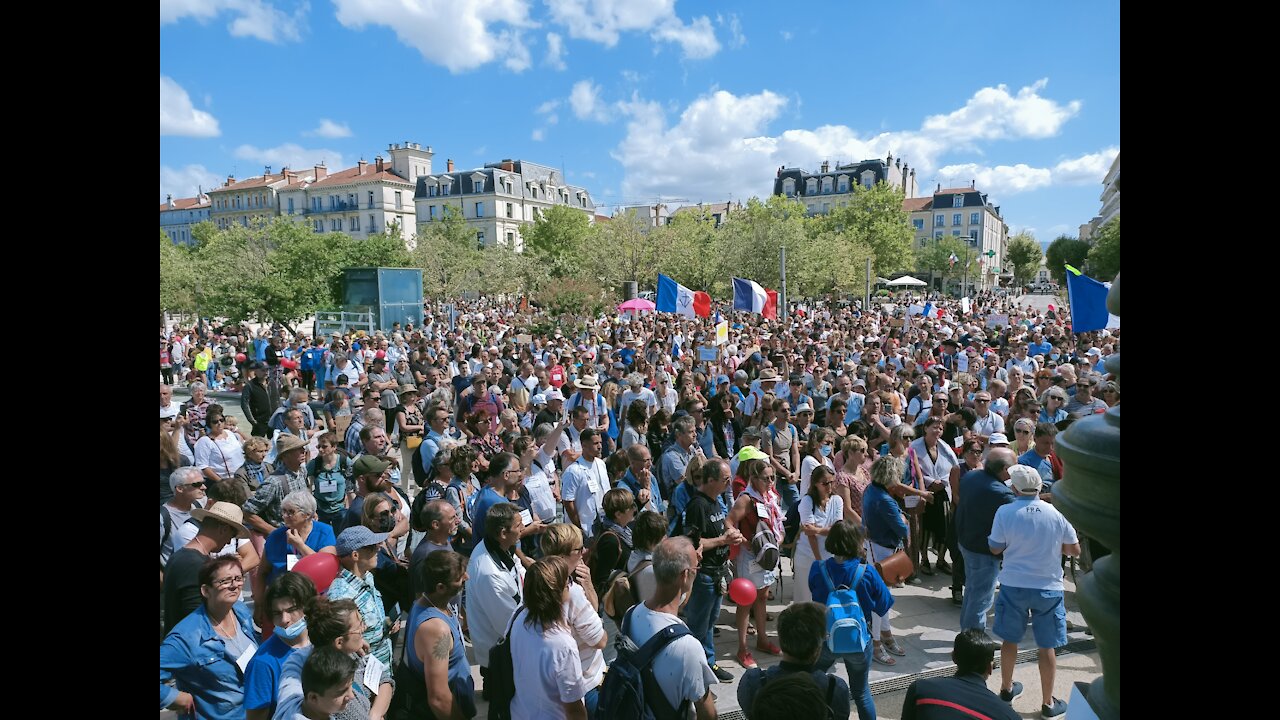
(525, 484)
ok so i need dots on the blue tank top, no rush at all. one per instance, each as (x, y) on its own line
(460, 682)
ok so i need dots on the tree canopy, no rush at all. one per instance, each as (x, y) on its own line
(1104, 256)
(1023, 255)
(1065, 250)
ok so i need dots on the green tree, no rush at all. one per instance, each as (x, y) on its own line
(622, 249)
(829, 262)
(177, 277)
(694, 253)
(935, 257)
(875, 217)
(270, 271)
(557, 240)
(1104, 256)
(448, 254)
(753, 237)
(1065, 250)
(1023, 255)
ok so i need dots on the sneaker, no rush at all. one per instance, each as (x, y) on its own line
(721, 674)
(957, 597)
(1013, 692)
(1057, 709)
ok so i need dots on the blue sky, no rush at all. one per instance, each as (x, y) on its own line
(640, 100)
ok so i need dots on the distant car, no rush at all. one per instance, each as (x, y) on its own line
(648, 295)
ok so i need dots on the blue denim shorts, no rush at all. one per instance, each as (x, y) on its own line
(1044, 608)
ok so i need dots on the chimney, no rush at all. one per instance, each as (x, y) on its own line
(897, 163)
(779, 171)
(508, 165)
(169, 201)
(939, 188)
(826, 166)
(449, 165)
(378, 163)
(231, 180)
(321, 172)
(266, 171)
(973, 183)
(360, 166)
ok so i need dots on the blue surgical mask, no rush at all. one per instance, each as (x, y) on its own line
(826, 451)
(294, 631)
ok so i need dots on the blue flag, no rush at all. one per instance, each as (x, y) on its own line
(1088, 299)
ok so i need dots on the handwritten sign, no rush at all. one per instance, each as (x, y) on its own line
(708, 354)
(994, 320)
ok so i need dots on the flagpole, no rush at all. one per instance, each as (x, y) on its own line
(783, 263)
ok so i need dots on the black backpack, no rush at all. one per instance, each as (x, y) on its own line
(630, 691)
(831, 687)
(500, 680)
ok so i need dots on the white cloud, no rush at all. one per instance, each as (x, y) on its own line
(330, 129)
(547, 107)
(179, 117)
(586, 103)
(714, 151)
(1086, 169)
(185, 182)
(291, 156)
(537, 135)
(719, 147)
(603, 21)
(555, 51)
(456, 35)
(737, 39)
(994, 114)
(252, 18)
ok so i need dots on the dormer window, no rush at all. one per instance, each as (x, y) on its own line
(842, 184)
(826, 185)
(788, 187)
(957, 201)
(811, 187)
(868, 179)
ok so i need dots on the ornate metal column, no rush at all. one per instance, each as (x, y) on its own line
(1089, 496)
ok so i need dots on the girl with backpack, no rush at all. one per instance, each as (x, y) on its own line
(839, 572)
(757, 516)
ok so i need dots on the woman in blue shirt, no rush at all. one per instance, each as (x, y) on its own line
(844, 542)
(1053, 405)
(206, 652)
(300, 535)
(887, 530)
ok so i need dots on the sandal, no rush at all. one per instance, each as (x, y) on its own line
(745, 659)
(892, 646)
(882, 657)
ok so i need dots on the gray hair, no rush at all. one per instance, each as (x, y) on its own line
(433, 512)
(298, 395)
(635, 380)
(670, 558)
(197, 385)
(682, 424)
(373, 416)
(887, 471)
(300, 500)
(542, 431)
(183, 476)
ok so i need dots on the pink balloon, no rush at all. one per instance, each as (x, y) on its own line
(321, 567)
(241, 357)
(289, 364)
(742, 591)
(380, 354)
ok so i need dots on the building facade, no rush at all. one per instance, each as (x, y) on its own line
(499, 199)
(828, 189)
(967, 214)
(1110, 199)
(244, 201)
(361, 201)
(715, 212)
(177, 217)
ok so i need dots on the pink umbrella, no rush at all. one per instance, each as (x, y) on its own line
(637, 304)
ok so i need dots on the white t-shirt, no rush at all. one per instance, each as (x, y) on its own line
(806, 470)
(225, 455)
(548, 672)
(539, 486)
(587, 631)
(989, 425)
(585, 484)
(809, 515)
(1033, 532)
(681, 668)
(644, 394)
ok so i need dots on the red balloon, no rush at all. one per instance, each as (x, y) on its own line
(742, 591)
(289, 364)
(321, 567)
(380, 355)
(241, 357)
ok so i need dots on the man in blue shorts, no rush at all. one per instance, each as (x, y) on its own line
(1032, 536)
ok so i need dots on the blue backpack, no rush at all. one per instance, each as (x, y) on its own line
(630, 690)
(847, 627)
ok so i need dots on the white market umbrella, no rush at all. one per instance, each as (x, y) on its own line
(906, 281)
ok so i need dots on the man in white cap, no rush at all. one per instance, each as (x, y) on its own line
(554, 410)
(1031, 536)
(588, 397)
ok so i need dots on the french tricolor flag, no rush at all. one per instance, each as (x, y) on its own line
(676, 298)
(749, 296)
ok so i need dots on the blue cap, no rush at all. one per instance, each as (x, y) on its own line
(722, 379)
(354, 538)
